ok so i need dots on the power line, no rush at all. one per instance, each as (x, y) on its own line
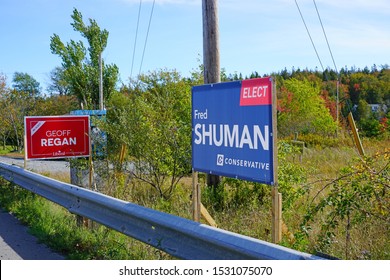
(308, 32)
(147, 35)
(136, 35)
(326, 38)
(334, 63)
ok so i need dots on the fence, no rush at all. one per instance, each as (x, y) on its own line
(179, 237)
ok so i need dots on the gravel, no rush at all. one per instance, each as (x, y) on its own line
(52, 167)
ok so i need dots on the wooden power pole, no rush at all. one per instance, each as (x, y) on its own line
(211, 54)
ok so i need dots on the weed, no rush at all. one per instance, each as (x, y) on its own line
(333, 202)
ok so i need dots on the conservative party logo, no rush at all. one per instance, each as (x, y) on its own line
(220, 159)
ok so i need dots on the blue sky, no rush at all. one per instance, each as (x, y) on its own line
(255, 35)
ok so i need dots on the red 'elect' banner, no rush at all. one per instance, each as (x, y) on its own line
(256, 92)
(57, 137)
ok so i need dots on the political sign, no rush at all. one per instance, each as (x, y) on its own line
(232, 129)
(57, 137)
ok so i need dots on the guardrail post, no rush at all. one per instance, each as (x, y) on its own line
(79, 177)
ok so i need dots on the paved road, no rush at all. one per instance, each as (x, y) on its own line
(15, 241)
(17, 244)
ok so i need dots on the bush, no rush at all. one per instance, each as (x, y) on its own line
(352, 209)
(240, 193)
(370, 127)
(154, 123)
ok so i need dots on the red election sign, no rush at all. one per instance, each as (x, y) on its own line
(57, 137)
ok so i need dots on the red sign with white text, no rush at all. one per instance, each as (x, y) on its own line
(57, 137)
(256, 92)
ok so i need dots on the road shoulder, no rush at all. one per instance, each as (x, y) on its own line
(17, 244)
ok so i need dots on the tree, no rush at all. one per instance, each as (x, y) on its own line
(370, 126)
(58, 84)
(17, 104)
(363, 111)
(3, 85)
(57, 105)
(4, 127)
(21, 101)
(301, 109)
(82, 72)
(23, 82)
(154, 122)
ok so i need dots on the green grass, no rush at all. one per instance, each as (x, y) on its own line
(240, 207)
(5, 151)
(9, 151)
(57, 228)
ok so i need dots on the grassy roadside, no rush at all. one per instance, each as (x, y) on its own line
(239, 207)
(7, 151)
(57, 228)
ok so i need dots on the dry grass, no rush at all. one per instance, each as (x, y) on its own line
(254, 219)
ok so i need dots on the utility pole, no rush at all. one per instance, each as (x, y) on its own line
(101, 106)
(337, 104)
(211, 55)
(211, 42)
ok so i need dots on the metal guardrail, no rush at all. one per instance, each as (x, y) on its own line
(179, 237)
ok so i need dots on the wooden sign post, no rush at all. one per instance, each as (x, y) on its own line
(276, 196)
(355, 133)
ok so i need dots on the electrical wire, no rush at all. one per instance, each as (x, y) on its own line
(326, 38)
(308, 32)
(334, 63)
(135, 40)
(147, 35)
